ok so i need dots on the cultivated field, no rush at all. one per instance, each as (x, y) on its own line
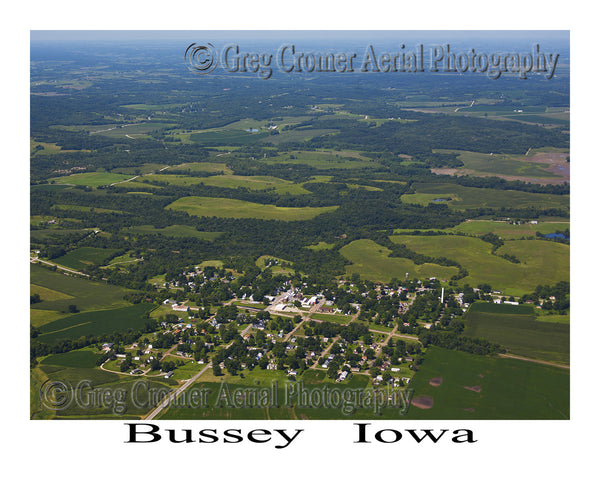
(519, 331)
(542, 262)
(87, 295)
(232, 208)
(91, 179)
(278, 185)
(471, 197)
(178, 231)
(322, 160)
(94, 323)
(84, 256)
(498, 388)
(372, 262)
(508, 231)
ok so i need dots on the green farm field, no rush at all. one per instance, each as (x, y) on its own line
(83, 208)
(509, 389)
(211, 167)
(517, 329)
(178, 231)
(84, 256)
(372, 262)
(84, 358)
(323, 160)
(506, 230)
(95, 322)
(86, 294)
(91, 179)
(232, 208)
(542, 262)
(280, 186)
(227, 137)
(501, 164)
(285, 405)
(470, 197)
(115, 406)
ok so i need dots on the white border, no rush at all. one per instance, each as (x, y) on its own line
(81, 448)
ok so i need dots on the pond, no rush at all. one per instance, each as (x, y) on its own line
(556, 235)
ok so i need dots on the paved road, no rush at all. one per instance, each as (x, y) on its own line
(36, 259)
(173, 395)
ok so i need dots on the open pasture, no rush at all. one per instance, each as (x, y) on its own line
(280, 186)
(91, 179)
(178, 231)
(471, 197)
(372, 262)
(506, 230)
(324, 160)
(542, 262)
(232, 208)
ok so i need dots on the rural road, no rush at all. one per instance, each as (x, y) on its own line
(541, 362)
(36, 259)
(173, 395)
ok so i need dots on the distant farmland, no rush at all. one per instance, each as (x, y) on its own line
(231, 181)
(542, 262)
(91, 179)
(470, 197)
(227, 137)
(232, 208)
(178, 231)
(372, 262)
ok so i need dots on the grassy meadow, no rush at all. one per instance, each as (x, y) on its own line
(542, 262)
(372, 262)
(232, 208)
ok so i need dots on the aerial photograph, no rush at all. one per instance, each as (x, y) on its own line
(299, 225)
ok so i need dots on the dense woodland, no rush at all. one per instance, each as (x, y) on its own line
(67, 117)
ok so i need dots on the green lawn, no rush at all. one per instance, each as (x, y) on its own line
(232, 208)
(331, 317)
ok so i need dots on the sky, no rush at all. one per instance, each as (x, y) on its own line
(133, 35)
